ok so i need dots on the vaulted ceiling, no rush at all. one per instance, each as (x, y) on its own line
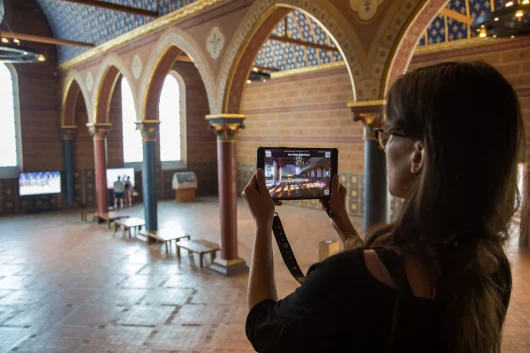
(94, 25)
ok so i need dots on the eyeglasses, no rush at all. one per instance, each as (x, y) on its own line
(382, 137)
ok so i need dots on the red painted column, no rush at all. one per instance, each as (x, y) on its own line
(226, 161)
(99, 133)
(226, 127)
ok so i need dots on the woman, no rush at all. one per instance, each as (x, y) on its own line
(437, 280)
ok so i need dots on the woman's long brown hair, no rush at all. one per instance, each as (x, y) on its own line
(462, 202)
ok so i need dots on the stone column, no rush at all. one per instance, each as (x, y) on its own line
(99, 132)
(150, 132)
(370, 114)
(226, 127)
(68, 133)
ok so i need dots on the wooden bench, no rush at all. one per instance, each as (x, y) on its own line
(165, 236)
(110, 217)
(128, 223)
(200, 247)
(86, 212)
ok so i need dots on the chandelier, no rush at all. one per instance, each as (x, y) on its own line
(509, 21)
(13, 50)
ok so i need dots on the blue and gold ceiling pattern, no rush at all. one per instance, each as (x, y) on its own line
(286, 56)
(94, 25)
(445, 29)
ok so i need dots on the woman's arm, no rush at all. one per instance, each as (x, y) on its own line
(261, 284)
(340, 220)
(347, 232)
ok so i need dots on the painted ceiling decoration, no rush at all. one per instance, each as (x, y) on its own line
(445, 28)
(280, 55)
(88, 24)
(95, 25)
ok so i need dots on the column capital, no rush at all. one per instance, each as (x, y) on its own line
(99, 131)
(68, 132)
(370, 114)
(226, 126)
(149, 129)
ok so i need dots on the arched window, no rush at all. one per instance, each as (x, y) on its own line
(172, 122)
(132, 142)
(10, 146)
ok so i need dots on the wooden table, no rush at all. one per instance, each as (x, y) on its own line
(128, 223)
(111, 217)
(198, 246)
(165, 236)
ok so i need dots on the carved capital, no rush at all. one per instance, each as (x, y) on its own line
(370, 114)
(68, 132)
(226, 126)
(99, 131)
(149, 129)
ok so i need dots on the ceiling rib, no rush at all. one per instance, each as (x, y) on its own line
(46, 40)
(303, 43)
(115, 7)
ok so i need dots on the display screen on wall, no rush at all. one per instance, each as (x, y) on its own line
(39, 183)
(123, 173)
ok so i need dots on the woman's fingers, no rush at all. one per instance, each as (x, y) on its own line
(278, 203)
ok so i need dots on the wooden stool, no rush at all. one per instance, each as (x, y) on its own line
(86, 212)
(200, 247)
(165, 236)
(110, 217)
(128, 223)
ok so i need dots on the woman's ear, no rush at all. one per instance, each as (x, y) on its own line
(417, 157)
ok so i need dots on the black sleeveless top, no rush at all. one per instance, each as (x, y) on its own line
(341, 307)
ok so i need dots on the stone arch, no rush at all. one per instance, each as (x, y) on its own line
(172, 43)
(71, 91)
(255, 28)
(403, 51)
(110, 71)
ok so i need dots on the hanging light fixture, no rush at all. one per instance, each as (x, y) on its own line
(12, 50)
(258, 75)
(509, 21)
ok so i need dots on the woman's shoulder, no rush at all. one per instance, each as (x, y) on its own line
(353, 264)
(346, 264)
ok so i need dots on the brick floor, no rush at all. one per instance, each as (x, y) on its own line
(67, 286)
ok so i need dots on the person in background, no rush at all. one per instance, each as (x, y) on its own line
(118, 192)
(128, 191)
(436, 280)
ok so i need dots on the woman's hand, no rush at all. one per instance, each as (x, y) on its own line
(259, 200)
(337, 201)
(337, 206)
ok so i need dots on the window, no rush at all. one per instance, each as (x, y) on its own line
(172, 120)
(9, 144)
(132, 141)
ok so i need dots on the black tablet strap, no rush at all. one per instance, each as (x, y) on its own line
(286, 250)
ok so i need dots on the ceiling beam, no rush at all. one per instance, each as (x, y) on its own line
(115, 7)
(301, 42)
(456, 16)
(46, 40)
